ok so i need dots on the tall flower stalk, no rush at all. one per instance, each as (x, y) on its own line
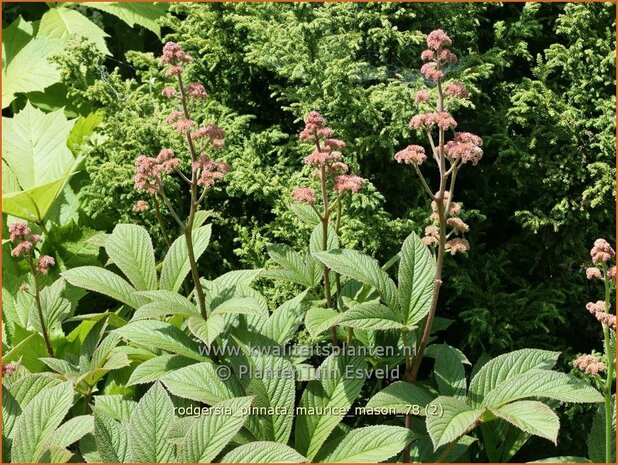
(25, 248)
(205, 172)
(331, 172)
(436, 124)
(601, 254)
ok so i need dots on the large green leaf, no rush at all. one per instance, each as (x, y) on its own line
(451, 420)
(97, 279)
(362, 268)
(401, 397)
(54, 306)
(318, 320)
(334, 394)
(263, 452)
(30, 70)
(14, 38)
(505, 366)
(39, 420)
(130, 248)
(153, 369)
(36, 161)
(596, 438)
(207, 436)
(72, 431)
(542, 383)
(144, 14)
(295, 267)
(286, 319)
(207, 330)
(449, 369)
(372, 316)
(416, 278)
(160, 335)
(65, 23)
(273, 389)
(112, 439)
(149, 425)
(202, 382)
(531, 416)
(176, 264)
(371, 444)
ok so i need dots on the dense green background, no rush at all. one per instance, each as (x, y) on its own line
(542, 81)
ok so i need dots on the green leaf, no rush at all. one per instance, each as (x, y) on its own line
(416, 277)
(65, 23)
(83, 129)
(143, 14)
(130, 248)
(316, 243)
(104, 282)
(596, 438)
(371, 316)
(306, 214)
(295, 267)
(72, 431)
(36, 161)
(27, 388)
(115, 407)
(563, 459)
(160, 335)
(176, 264)
(542, 383)
(285, 320)
(111, 438)
(449, 370)
(153, 369)
(505, 366)
(165, 303)
(30, 69)
(54, 306)
(451, 420)
(263, 452)
(14, 38)
(10, 412)
(273, 389)
(334, 393)
(371, 444)
(402, 397)
(201, 382)
(318, 320)
(207, 436)
(149, 425)
(531, 416)
(362, 268)
(207, 330)
(244, 305)
(40, 418)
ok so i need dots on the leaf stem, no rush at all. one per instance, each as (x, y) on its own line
(37, 302)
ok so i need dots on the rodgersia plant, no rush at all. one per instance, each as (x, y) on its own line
(334, 182)
(25, 248)
(201, 142)
(602, 369)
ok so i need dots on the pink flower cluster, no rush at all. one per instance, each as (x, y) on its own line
(442, 119)
(303, 195)
(466, 147)
(44, 263)
(173, 54)
(209, 171)
(314, 127)
(456, 89)
(598, 310)
(20, 232)
(437, 55)
(457, 245)
(411, 154)
(140, 206)
(602, 252)
(196, 90)
(421, 96)
(326, 157)
(589, 364)
(214, 134)
(149, 171)
(432, 233)
(348, 183)
(8, 369)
